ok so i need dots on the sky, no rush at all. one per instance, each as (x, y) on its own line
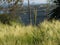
(32, 2)
(36, 1)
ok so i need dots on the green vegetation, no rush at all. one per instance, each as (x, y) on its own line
(8, 18)
(47, 33)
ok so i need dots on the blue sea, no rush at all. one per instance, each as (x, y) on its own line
(25, 17)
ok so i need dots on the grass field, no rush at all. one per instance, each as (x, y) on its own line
(46, 33)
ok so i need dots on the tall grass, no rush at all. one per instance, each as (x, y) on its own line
(46, 33)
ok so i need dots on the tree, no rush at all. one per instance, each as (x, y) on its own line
(5, 18)
(15, 2)
(55, 14)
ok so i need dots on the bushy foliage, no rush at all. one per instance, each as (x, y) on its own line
(4, 19)
(7, 18)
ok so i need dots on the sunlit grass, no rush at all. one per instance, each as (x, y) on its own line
(47, 33)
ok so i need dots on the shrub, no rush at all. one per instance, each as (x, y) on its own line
(6, 18)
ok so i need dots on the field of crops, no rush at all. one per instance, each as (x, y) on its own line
(47, 33)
